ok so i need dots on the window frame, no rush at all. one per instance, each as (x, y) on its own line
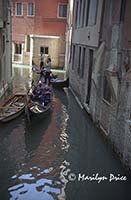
(33, 9)
(73, 55)
(107, 96)
(44, 47)
(18, 48)
(92, 18)
(83, 57)
(16, 9)
(79, 60)
(59, 9)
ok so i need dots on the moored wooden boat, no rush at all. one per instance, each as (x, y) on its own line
(12, 108)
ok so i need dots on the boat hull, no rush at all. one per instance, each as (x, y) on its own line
(60, 84)
(32, 115)
(12, 108)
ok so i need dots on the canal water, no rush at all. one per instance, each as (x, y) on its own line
(61, 157)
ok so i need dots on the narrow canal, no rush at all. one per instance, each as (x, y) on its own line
(46, 160)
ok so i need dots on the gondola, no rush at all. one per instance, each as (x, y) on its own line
(55, 81)
(12, 108)
(35, 111)
(60, 84)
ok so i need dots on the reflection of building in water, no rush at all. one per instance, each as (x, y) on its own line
(5, 45)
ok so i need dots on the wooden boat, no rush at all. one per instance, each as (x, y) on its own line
(60, 84)
(12, 108)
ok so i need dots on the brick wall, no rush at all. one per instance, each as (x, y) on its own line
(45, 21)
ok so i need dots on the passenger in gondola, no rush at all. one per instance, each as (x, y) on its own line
(42, 74)
(36, 93)
(41, 94)
(47, 97)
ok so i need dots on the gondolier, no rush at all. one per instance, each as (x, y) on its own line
(48, 71)
(42, 60)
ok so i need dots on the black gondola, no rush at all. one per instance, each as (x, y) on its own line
(36, 111)
(60, 84)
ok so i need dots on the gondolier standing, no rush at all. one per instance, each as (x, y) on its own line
(42, 61)
(48, 71)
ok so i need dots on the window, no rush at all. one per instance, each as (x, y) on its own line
(79, 13)
(91, 55)
(83, 62)
(106, 90)
(79, 61)
(87, 11)
(19, 9)
(122, 12)
(62, 10)
(73, 56)
(76, 14)
(44, 50)
(30, 9)
(18, 48)
(93, 12)
(83, 12)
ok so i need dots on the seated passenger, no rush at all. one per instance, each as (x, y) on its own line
(37, 92)
(46, 97)
(41, 94)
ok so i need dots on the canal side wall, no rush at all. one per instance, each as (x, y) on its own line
(104, 89)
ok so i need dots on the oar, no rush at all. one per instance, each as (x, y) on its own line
(27, 113)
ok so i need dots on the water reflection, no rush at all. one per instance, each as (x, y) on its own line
(22, 78)
(34, 132)
(41, 189)
(37, 152)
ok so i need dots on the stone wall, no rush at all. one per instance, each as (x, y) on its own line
(112, 115)
(56, 46)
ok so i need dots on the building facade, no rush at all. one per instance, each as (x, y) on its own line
(38, 28)
(69, 29)
(100, 67)
(5, 45)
